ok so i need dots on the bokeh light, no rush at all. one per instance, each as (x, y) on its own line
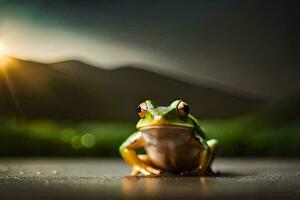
(76, 143)
(88, 140)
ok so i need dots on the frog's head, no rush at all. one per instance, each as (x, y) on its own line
(176, 115)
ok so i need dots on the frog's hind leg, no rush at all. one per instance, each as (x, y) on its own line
(206, 159)
(146, 159)
(214, 145)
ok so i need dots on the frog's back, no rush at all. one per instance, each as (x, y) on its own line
(170, 148)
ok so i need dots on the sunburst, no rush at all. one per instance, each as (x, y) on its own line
(4, 63)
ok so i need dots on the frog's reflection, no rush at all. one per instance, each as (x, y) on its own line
(161, 187)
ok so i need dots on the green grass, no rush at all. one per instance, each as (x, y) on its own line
(248, 135)
(255, 136)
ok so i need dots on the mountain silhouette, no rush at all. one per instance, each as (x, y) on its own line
(75, 90)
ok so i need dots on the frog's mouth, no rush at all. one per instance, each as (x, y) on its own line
(165, 127)
(166, 130)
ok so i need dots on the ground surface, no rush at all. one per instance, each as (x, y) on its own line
(105, 179)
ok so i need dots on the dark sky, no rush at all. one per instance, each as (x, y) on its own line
(249, 46)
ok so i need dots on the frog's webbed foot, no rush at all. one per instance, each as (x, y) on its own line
(134, 172)
(146, 169)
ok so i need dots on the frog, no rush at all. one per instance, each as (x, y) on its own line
(173, 142)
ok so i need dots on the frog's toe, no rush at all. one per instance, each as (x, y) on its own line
(135, 172)
(154, 170)
(145, 170)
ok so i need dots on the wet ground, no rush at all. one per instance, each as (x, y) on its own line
(106, 179)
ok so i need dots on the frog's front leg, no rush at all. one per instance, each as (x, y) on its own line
(127, 150)
(214, 146)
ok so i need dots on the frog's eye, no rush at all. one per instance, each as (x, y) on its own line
(142, 110)
(183, 109)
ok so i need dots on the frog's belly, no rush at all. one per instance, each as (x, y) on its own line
(169, 148)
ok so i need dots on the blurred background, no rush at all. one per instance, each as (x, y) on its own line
(72, 73)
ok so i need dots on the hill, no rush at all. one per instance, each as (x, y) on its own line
(75, 90)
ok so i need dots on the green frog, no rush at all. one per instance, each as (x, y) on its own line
(172, 139)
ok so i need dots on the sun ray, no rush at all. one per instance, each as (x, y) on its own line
(10, 85)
